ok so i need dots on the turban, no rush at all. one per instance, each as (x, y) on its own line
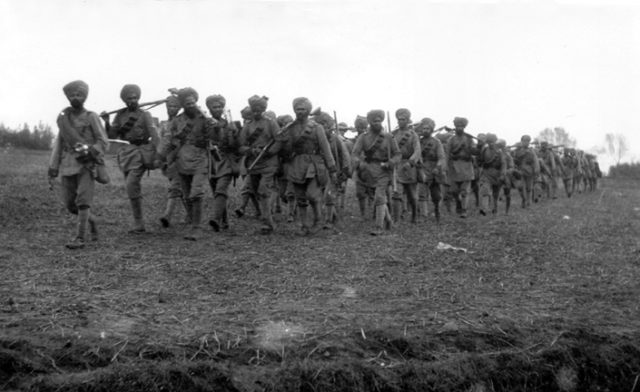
(491, 138)
(482, 137)
(246, 113)
(172, 99)
(302, 101)
(76, 85)
(128, 89)
(501, 143)
(403, 112)
(256, 102)
(525, 138)
(460, 122)
(211, 99)
(376, 113)
(284, 120)
(271, 114)
(343, 126)
(185, 93)
(324, 119)
(360, 122)
(427, 122)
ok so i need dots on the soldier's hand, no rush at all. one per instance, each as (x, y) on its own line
(52, 173)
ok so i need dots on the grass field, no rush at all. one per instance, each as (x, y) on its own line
(545, 299)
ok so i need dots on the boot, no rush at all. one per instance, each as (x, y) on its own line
(138, 222)
(196, 218)
(264, 211)
(380, 218)
(165, 219)
(243, 205)
(93, 227)
(83, 220)
(219, 207)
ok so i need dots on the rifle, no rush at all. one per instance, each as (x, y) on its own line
(152, 104)
(268, 145)
(448, 129)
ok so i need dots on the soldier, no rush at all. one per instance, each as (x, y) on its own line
(342, 158)
(493, 170)
(570, 165)
(508, 180)
(191, 134)
(246, 192)
(134, 125)
(407, 172)
(360, 125)
(285, 187)
(77, 152)
(431, 168)
(475, 183)
(460, 147)
(528, 167)
(174, 191)
(548, 156)
(312, 163)
(259, 146)
(345, 168)
(224, 161)
(374, 155)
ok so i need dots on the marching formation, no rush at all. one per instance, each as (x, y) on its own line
(299, 165)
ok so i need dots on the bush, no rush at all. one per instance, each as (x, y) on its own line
(40, 138)
(625, 171)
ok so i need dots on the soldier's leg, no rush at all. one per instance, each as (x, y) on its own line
(382, 215)
(245, 194)
(411, 192)
(291, 202)
(330, 199)
(134, 191)
(220, 197)
(302, 207)
(423, 203)
(196, 193)
(266, 190)
(397, 202)
(435, 189)
(314, 193)
(361, 195)
(465, 188)
(174, 196)
(84, 197)
(485, 194)
(495, 194)
(475, 188)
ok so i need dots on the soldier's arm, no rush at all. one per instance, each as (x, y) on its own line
(102, 142)
(113, 128)
(56, 156)
(442, 157)
(357, 150)
(321, 136)
(151, 128)
(345, 158)
(276, 141)
(536, 163)
(416, 157)
(242, 140)
(395, 155)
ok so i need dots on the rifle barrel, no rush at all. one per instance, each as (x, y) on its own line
(152, 103)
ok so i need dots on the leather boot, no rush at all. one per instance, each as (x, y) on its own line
(83, 220)
(138, 222)
(165, 219)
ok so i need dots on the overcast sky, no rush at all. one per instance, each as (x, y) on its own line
(510, 67)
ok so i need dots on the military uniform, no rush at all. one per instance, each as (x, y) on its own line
(528, 168)
(493, 169)
(431, 173)
(78, 169)
(407, 172)
(224, 168)
(570, 167)
(460, 149)
(549, 177)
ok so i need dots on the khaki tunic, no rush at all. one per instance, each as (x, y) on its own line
(137, 128)
(310, 152)
(460, 149)
(189, 144)
(372, 149)
(256, 134)
(432, 156)
(526, 161)
(225, 137)
(409, 146)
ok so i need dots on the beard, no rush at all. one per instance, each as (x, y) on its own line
(76, 104)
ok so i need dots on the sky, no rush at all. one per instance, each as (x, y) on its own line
(510, 67)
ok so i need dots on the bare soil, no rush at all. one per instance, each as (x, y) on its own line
(544, 299)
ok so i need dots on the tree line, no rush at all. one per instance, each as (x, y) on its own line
(38, 137)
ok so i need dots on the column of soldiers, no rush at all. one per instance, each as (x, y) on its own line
(303, 162)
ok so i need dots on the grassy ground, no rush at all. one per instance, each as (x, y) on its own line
(544, 299)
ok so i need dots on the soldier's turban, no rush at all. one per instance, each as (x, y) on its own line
(76, 86)
(270, 114)
(501, 143)
(360, 122)
(211, 99)
(343, 126)
(129, 89)
(403, 112)
(482, 137)
(173, 99)
(525, 138)
(256, 102)
(491, 138)
(544, 144)
(428, 123)
(246, 113)
(460, 122)
(324, 119)
(375, 114)
(302, 101)
(185, 93)
(284, 120)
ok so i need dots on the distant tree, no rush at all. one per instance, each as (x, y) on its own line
(556, 136)
(616, 146)
(40, 138)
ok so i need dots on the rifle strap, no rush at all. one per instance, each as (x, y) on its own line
(69, 133)
(254, 136)
(374, 145)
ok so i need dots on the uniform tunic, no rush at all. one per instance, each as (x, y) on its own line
(460, 150)
(370, 151)
(409, 146)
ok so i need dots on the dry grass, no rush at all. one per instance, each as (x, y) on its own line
(537, 303)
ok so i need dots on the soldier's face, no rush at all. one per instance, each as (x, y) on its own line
(403, 121)
(375, 124)
(524, 143)
(302, 111)
(172, 108)
(76, 99)
(216, 109)
(257, 112)
(131, 100)
(189, 105)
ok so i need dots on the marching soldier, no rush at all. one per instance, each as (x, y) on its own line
(528, 167)
(431, 168)
(134, 125)
(224, 161)
(460, 149)
(174, 191)
(507, 181)
(191, 134)
(570, 165)
(285, 187)
(493, 170)
(246, 192)
(260, 147)
(77, 152)
(407, 172)
(548, 156)
(312, 163)
(374, 155)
